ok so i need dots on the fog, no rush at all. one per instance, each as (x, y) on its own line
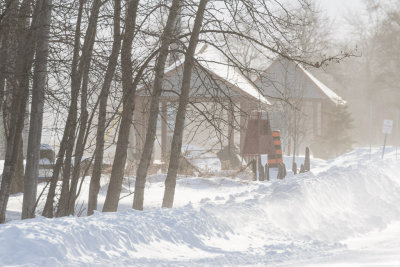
(369, 79)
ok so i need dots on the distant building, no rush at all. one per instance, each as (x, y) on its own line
(300, 103)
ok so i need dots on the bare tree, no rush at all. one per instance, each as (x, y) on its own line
(145, 159)
(129, 89)
(36, 119)
(176, 146)
(67, 198)
(70, 122)
(101, 126)
(20, 93)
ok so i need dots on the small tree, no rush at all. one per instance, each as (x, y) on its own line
(336, 139)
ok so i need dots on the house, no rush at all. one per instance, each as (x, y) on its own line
(300, 103)
(220, 100)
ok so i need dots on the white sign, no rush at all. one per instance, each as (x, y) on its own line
(387, 126)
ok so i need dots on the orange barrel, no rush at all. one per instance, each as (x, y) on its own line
(275, 159)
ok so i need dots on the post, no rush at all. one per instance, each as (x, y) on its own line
(370, 130)
(387, 129)
(307, 160)
(164, 136)
(397, 130)
(231, 135)
(164, 132)
(243, 120)
(294, 167)
(384, 145)
(254, 168)
(261, 174)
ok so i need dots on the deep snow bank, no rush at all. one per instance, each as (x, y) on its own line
(228, 222)
(349, 195)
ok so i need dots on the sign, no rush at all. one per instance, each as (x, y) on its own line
(387, 126)
(258, 137)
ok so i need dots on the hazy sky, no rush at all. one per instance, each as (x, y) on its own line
(336, 8)
(339, 9)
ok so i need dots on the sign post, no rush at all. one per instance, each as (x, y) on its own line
(387, 129)
(370, 130)
(397, 131)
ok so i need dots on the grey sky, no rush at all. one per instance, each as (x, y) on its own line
(337, 10)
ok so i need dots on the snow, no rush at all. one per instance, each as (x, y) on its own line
(214, 61)
(345, 212)
(45, 147)
(45, 161)
(204, 161)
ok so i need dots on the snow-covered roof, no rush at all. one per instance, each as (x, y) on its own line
(272, 81)
(325, 89)
(214, 61)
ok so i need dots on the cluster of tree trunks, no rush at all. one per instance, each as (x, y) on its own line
(28, 47)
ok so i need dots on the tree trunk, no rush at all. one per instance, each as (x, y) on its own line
(69, 204)
(36, 118)
(7, 62)
(70, 129)
(6, 25)
(101, 126)
(176, 146)
(3, 64)
(129, 89)
(71, 121)
(20, 93)
(154, 106)
(17, 183)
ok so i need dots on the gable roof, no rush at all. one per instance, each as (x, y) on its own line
(324, 89)
(215, 63)
(320, 88)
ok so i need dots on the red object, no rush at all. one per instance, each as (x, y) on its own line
(274, 159)
(258, 139)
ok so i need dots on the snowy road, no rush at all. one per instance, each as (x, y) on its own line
(346, 212)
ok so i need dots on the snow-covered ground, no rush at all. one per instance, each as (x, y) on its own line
(345, 212)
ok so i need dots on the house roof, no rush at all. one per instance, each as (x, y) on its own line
(315, 83)
(214, 62)
(325, 89)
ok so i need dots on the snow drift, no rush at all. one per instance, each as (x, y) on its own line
(221, 221)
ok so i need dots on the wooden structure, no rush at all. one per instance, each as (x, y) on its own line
(258, 138)
(214, 84)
